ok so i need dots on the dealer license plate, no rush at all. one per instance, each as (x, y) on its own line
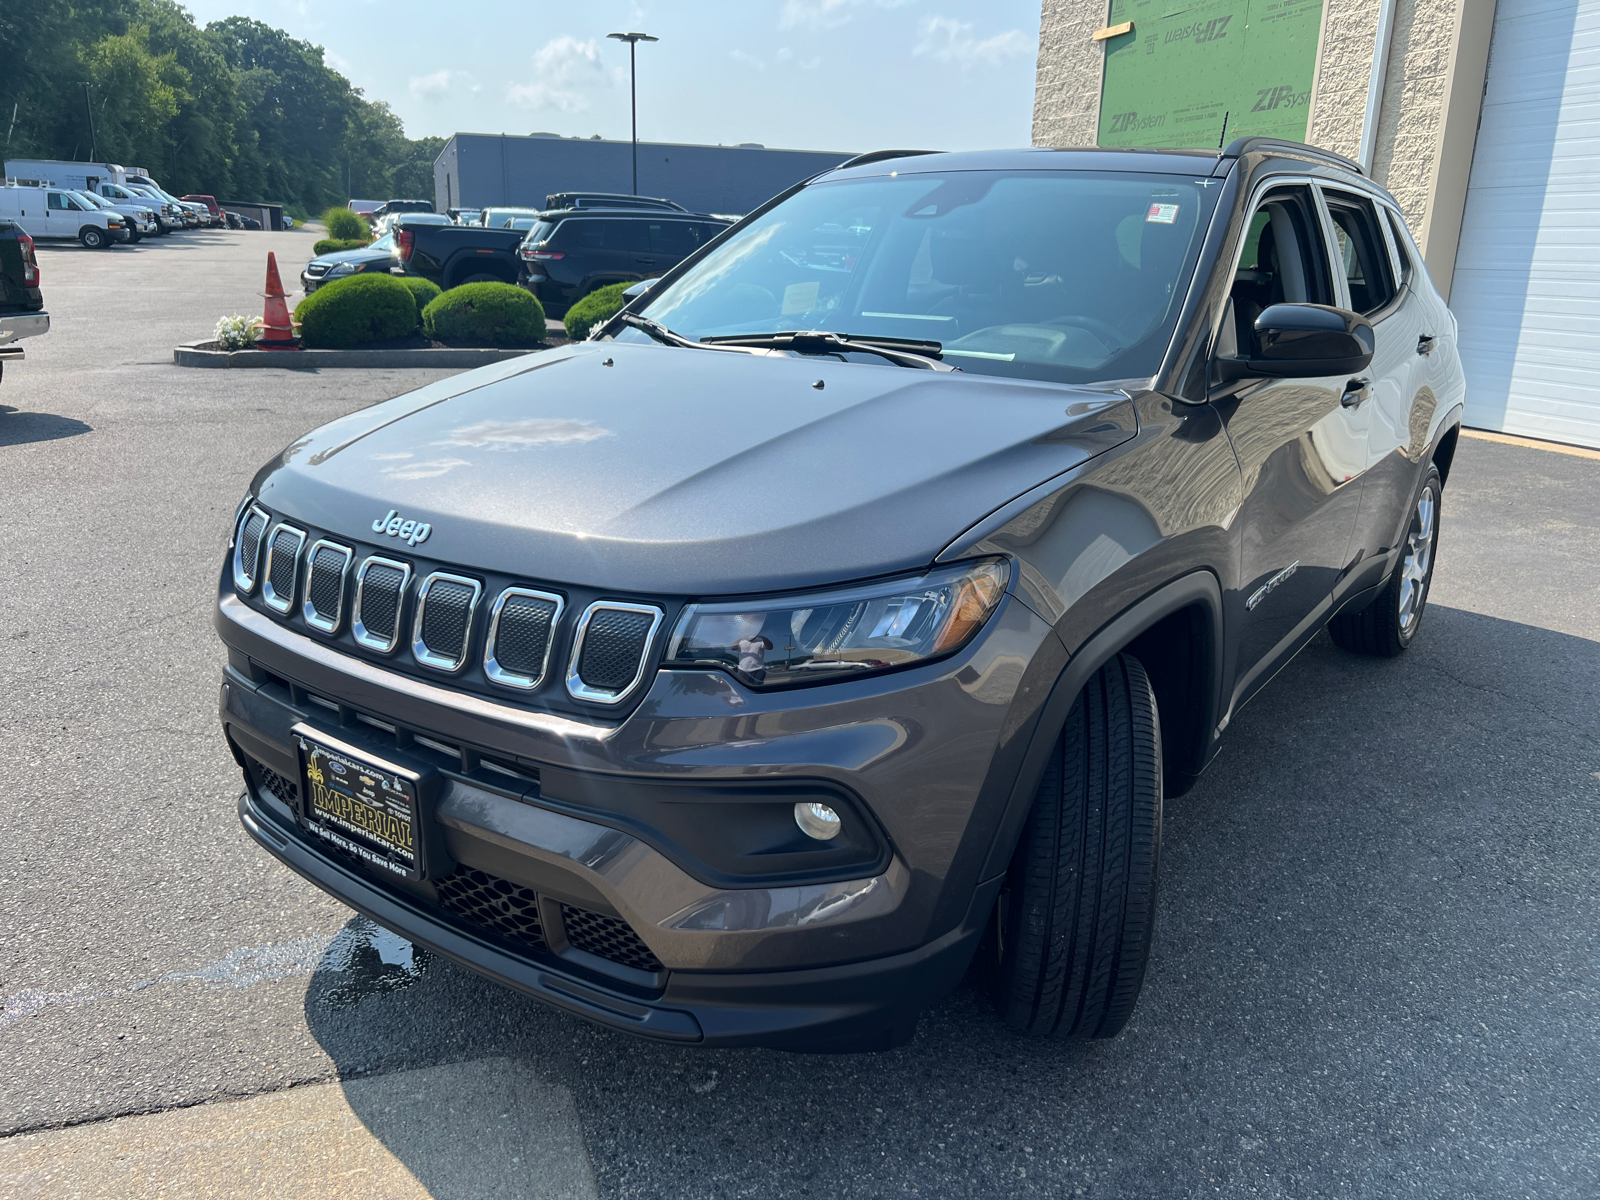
(361, 807)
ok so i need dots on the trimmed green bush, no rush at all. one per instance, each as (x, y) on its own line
(355, 310)
(485, 314)
(599, 305)
(423, 291)
(329, 245)
(345, 225)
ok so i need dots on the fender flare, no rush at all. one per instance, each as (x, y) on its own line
(1199, 587)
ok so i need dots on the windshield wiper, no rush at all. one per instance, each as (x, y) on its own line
(658, 331)
(903, 351)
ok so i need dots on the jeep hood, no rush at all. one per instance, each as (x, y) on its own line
(654, 469)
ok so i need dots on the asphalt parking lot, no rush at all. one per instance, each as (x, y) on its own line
(1376, 971)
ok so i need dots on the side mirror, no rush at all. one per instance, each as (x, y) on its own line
(639, 289)
(1300, 341)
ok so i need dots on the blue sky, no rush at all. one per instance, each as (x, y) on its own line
(810, 74)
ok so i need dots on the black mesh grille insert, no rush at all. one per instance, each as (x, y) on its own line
(285, 558)
(607, 937)
(523, 634)
(505, 907)
(325, 587)
(613, 643)
(250, 544)
(269, 780)
(380, 600)
(444, 619)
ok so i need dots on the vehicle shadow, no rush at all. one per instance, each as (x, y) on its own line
(18, 428)
(1376, 933)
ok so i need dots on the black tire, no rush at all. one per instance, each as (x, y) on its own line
(93, 238)
(1075, 919)
(1389, 624)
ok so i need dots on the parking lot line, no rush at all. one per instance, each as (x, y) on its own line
(474, 1129)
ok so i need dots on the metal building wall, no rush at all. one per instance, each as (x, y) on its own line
(479, 170)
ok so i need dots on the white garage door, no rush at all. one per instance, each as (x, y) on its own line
(1527, 280)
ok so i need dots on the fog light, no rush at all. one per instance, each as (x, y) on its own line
(817, 820)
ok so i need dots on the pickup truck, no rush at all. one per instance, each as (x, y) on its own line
(451, 255)
(22, 311)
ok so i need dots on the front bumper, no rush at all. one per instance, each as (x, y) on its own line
(842, 962)
(15, 326)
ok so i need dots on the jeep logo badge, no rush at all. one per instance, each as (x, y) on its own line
(411, 532)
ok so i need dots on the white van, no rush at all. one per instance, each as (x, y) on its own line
(81, 176)
(53, 212)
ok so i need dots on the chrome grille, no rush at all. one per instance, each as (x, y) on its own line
(283, 567)
(315, 270)
(247, 549)
(327, 568)
(380, 592)
(609, 657)
(443, 627)
(520, 628)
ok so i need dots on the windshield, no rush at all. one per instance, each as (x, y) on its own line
(1070, 276)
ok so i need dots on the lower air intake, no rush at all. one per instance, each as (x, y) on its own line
(608, 937)
(283, 789)
(509, 909)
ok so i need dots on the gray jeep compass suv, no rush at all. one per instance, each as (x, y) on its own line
(843, 611)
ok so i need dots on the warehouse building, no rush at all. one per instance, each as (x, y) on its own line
(482, 170)
(1479, 118)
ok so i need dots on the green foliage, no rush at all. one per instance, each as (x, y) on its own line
(237, 109)
(356, 310)
(333, 245)
(599, 305)
(345, 225)
(423, 291)
(485, 314)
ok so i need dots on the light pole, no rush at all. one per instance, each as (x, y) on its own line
(633, 39)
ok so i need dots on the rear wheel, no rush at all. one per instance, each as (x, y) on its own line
(93, 238)
(1386, 626)
(1075, 919)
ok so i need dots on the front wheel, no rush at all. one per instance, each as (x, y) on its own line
(93, 238)
(1078, 910)
(1386, 626)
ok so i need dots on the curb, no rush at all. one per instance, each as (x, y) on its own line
(465, 357)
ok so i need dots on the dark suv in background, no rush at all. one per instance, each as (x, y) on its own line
(571, 252)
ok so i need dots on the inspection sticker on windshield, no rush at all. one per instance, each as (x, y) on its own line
(1161, 214)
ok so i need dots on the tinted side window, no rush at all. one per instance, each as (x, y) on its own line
(56, 202)
(629, 236)
(1363, 255)
(1402, 243)
(676, 238)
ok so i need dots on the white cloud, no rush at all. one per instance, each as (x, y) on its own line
(430, 87)
(748, 60)
(947, 40)
(565, 71)
(825, 14)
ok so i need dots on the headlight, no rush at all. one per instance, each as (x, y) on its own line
(841, 634)
(343, 268)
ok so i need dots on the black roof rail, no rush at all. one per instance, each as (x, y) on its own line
(873, 156)
(1246, 145)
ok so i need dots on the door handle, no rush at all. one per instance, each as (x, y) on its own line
(648, 262)
(1355, 392)
(1425, 344)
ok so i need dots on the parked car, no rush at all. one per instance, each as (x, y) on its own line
(451, 255)
(570, 253)
(167, 216)
(365, 207)
(140, 219)
(400, 206)
(464, 216)
(56, 213)
(610, 200)
(173, 214)
(847, 610)
(22, 311)
(502, 218)
(325, 268)
(194, 215)
(209, 203)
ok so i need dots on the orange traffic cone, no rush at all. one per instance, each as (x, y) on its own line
(277, 328)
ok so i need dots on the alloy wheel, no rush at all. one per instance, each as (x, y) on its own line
(1418, 560)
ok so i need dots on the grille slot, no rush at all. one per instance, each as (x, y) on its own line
(609, 658)
(327, 568)
(509, 909)
(268, 780)
(247, 549)
(380, 592)
(608, 937)
(445, 605)
(283, 567)
(520, 631)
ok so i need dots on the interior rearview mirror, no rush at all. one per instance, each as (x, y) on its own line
(1298, 341)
